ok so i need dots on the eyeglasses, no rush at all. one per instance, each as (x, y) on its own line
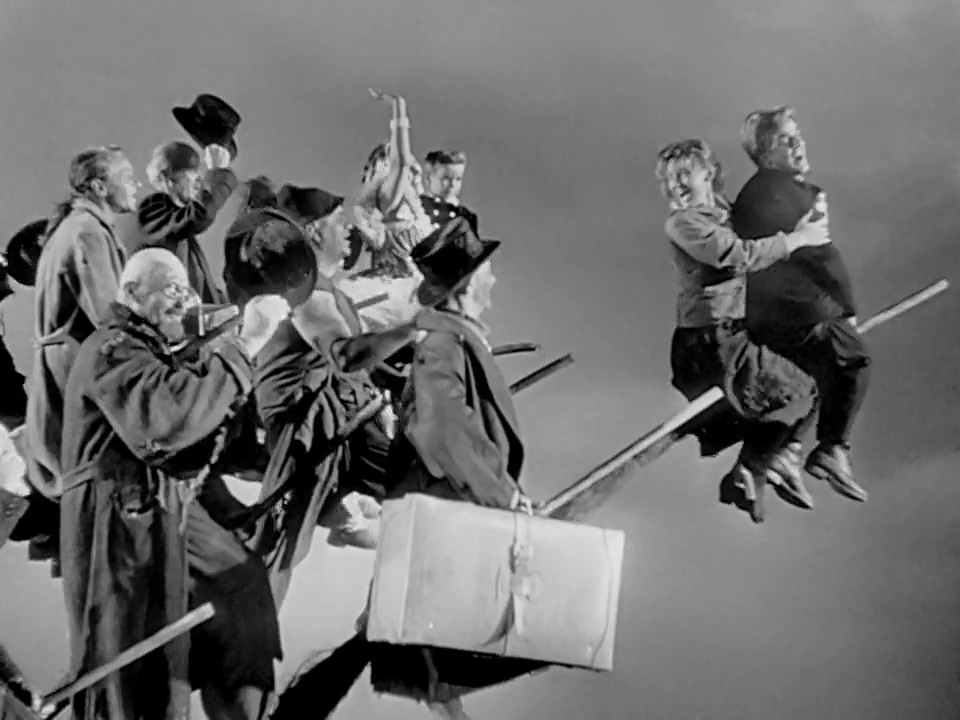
(181, 293)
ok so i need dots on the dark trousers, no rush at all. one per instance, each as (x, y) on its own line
(766, 394)
(833, 353)
(13, 394)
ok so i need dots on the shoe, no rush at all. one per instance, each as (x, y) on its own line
(741, 489)
(785, 474)
(831, 463)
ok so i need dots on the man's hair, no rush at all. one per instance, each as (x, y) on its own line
(758, 134)
(439, 158)
(87, 167)
(168, 161)
(143, 266)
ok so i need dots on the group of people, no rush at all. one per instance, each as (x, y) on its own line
(153, 379)
(766, 312)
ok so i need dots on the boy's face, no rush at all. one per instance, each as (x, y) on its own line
(446, 182)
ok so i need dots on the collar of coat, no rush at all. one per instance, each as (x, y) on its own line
(82, 204)
(474, 333)
(123, 318)
(456, 322)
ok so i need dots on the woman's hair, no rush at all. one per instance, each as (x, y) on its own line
(758, 134)
(683, 155)
(86, 167)
(379, 153)
(168, 161)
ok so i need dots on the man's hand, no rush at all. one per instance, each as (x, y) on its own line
(261, 318)
(216, 157)
(852, 320)
(521, 503)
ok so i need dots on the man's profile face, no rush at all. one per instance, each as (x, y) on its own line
(122, 187)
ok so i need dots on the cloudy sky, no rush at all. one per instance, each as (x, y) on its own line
(845, 612)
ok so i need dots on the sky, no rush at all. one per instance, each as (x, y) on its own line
(848, 611)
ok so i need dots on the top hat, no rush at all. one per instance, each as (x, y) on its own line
(23, 252)
(447, 258)
(307, 205)
(210, 121)
(266, 253)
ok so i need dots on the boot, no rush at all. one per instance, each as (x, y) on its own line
(832, 464)
(785, 474)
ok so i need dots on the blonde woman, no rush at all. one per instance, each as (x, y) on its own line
(767, 395)
(391, 219)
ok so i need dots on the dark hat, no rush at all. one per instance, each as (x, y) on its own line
(23, 252)
(260, 193)
(447, 258)
(210, 120)
(265, 253)
(307, 204)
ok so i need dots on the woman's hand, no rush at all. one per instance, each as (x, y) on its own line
(384, 97)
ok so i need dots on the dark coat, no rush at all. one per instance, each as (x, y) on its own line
(129, 407)
(810, 286)
(164, 223)
(304, 402)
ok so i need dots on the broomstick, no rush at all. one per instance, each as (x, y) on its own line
(54, 702)
(594, 488)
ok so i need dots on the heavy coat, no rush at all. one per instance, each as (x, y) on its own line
(129, 407)
(166, 224)
(77, 280)
(458, 418)
(304, 402)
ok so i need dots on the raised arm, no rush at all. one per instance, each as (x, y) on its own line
(447, 434)
(163, 222)
(394, 185)
(320, 322)
(158, 408)
(95, 271)
(713, 243)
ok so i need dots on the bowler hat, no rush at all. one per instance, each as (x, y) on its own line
(447, 258)
(307, 205)
(23, 252)
(266, 253)
(210, 120)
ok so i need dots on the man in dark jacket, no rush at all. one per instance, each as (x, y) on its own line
(441, 201)
(803, 307)
(130, 408)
